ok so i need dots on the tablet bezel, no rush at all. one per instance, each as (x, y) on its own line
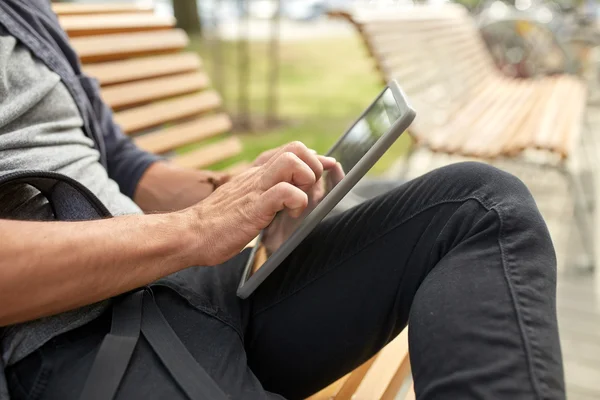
(249, 284)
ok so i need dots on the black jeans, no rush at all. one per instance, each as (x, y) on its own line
(461, 254)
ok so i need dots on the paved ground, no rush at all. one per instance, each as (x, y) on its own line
(578, 288)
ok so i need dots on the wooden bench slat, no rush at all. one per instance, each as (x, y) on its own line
(477, 123)
(568, 141)
(87, 25)
(331, 391)
(411, 393)
(109, 8)
(553, 105)
(436, 139)
(516, 128)
(135, 69)
(518, 143)
(151, 115)
(346, 392)
(134, 93)
(125, 45)
(184, 133)
(561, 119)
(210, 154)
(384, 368)
(494, 128)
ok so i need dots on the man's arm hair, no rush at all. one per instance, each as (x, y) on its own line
(51, 267)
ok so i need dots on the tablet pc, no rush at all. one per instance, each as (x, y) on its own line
(367, 139)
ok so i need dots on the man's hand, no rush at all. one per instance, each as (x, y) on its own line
(237, 211)
(65, 265)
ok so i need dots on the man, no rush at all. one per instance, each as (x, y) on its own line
(461, 254)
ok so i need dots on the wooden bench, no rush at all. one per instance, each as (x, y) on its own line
(159, 93)
(162, 98)
(464, 105)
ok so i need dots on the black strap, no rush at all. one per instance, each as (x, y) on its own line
(116, 349)
(190, 376)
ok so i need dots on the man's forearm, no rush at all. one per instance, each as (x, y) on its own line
(167, 187)
(50, 267)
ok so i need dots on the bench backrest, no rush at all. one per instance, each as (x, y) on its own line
(435, 52)
(159, 93)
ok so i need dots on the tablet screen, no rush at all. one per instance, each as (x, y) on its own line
(374, 123)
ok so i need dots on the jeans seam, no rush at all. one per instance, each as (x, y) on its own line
(517, 308)
(367, 244)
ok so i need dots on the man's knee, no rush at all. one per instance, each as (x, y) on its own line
(490, 185)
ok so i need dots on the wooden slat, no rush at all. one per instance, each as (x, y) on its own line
(134, 93)
(184, 133)
(135, 69)
(411, 393)
(87, 25)
(553, 106)
(210, 154)
(151, 115)
(384, 368)
(110, 8)
(521, 141)
(125, 45)
(346, 392)
(502, 125)
(330, 391)
(437, 139)
(398, 382)
(573, 132)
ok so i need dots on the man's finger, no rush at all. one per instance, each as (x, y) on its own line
(288, 167)
(327, 162)
(283, 196)
(335, 175)
(265, 156)
(303, 153)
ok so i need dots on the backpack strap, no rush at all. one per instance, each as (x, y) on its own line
(69, 199)
(116, 349)
(115, 352)
(183, 367)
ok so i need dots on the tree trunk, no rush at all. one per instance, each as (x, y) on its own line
(186, 13)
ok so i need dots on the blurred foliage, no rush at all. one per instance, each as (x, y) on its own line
(324, 85)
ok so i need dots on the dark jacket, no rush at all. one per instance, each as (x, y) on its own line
(34, 24)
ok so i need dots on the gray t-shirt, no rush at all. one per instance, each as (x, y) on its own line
(41, 129)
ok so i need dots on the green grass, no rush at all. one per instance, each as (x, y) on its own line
(323, 86)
